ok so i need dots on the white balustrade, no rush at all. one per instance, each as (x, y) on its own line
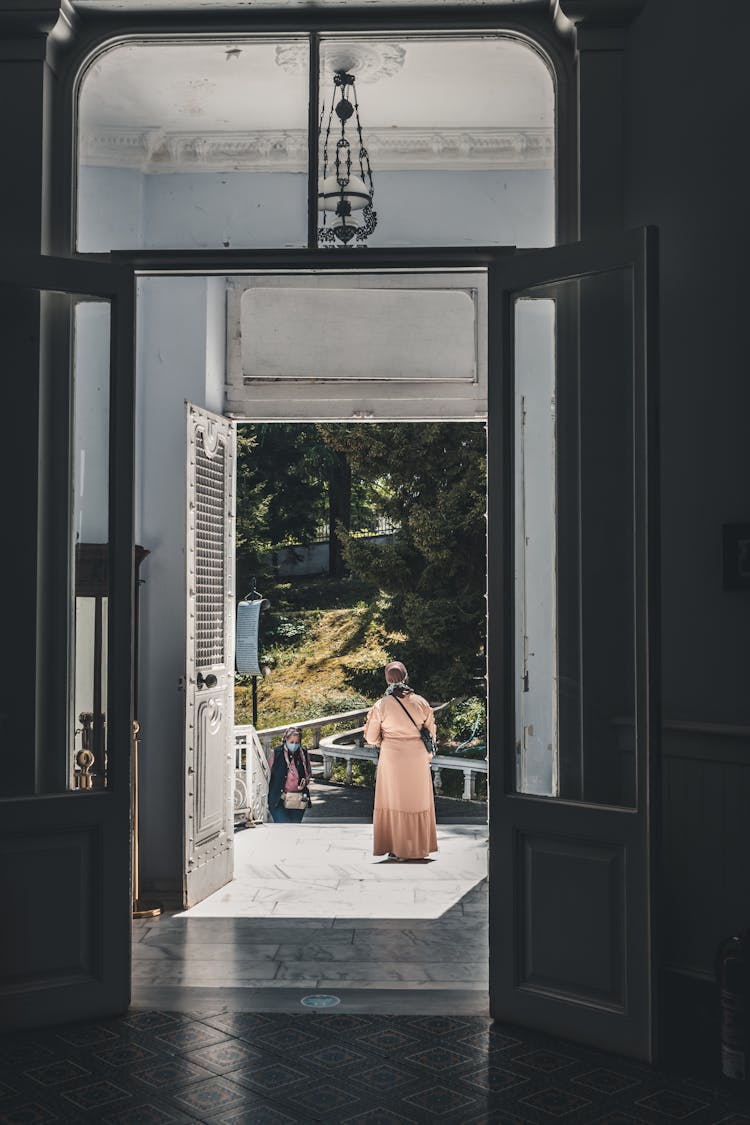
(251, 776)
(348, 746)
(253, 749)
(271, 736)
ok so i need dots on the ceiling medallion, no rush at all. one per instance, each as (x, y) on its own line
(369, 61)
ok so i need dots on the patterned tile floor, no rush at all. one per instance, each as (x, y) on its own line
(150, 1067)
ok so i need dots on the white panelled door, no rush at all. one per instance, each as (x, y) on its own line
(209, 655)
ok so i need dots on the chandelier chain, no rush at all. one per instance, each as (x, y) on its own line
(349, 196)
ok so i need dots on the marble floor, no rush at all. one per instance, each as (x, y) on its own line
(311, 910)
(329, 871)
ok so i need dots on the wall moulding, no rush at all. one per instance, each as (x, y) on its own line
(155, 151)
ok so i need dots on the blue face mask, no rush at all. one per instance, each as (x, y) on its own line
(292, 746)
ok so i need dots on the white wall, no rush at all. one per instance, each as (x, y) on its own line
(110, 209)
(211, 209)
(180, 357)
(439, 208)
(122, 209)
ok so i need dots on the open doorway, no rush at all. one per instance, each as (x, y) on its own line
(309, 906)
(411, 344)
(221, 341)
(414, 592)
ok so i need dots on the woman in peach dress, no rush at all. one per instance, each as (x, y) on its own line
(404, 821)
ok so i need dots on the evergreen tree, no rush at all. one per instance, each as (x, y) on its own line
(432, 481)
(289, 481)
(280, 495)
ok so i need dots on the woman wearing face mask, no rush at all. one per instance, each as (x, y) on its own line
(290, 773)
(404, 820)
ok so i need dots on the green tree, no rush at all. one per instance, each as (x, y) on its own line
(252, 512)
(432, 480)
(280, 497)
(288, 481)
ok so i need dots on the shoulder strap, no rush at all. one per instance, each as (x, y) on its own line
(405, 711)
(304, 762)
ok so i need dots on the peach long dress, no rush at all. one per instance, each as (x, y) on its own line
(404, 820)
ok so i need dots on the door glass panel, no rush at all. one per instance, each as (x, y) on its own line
(535, 540)
(574, 534)
(459, 135)
(198, 144)
(90, 525)
(58, 612)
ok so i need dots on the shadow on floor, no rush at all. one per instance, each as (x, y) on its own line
(354, 803)
(406, 964)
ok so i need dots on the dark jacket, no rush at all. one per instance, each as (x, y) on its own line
(277, 780)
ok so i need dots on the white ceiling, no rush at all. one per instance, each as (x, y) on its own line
(236, 85)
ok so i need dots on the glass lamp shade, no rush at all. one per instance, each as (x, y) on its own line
(355, 193)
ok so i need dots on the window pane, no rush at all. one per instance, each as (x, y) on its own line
(535, 544)
(576, 728)
(59, 343)
(90, 518)
(459, 132)
(194, 145)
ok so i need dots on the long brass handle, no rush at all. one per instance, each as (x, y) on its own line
(138, 910)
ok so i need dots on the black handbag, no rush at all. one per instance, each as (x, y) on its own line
(430, 744)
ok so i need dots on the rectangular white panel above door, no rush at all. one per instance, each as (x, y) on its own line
(374, 346)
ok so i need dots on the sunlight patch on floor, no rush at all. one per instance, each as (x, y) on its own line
(328, 871)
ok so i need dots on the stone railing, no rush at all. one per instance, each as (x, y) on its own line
(253, 750)
(271, 736)
(349, 746)
(252, 771)
(251, 776)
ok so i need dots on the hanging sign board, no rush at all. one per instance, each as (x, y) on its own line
(248, 620)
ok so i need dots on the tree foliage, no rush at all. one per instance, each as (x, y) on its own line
(432, 480)
(280, 495)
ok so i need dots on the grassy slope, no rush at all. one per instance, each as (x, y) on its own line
(325, 651)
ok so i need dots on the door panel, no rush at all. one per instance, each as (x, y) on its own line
(572, 650)
(65, 846)
(209, 681)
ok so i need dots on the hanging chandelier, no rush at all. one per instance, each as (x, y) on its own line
(343, 194)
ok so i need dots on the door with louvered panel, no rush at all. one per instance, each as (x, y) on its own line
(209, 655)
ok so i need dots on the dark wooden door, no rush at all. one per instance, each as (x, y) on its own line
(573, 649)
(65, 848)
